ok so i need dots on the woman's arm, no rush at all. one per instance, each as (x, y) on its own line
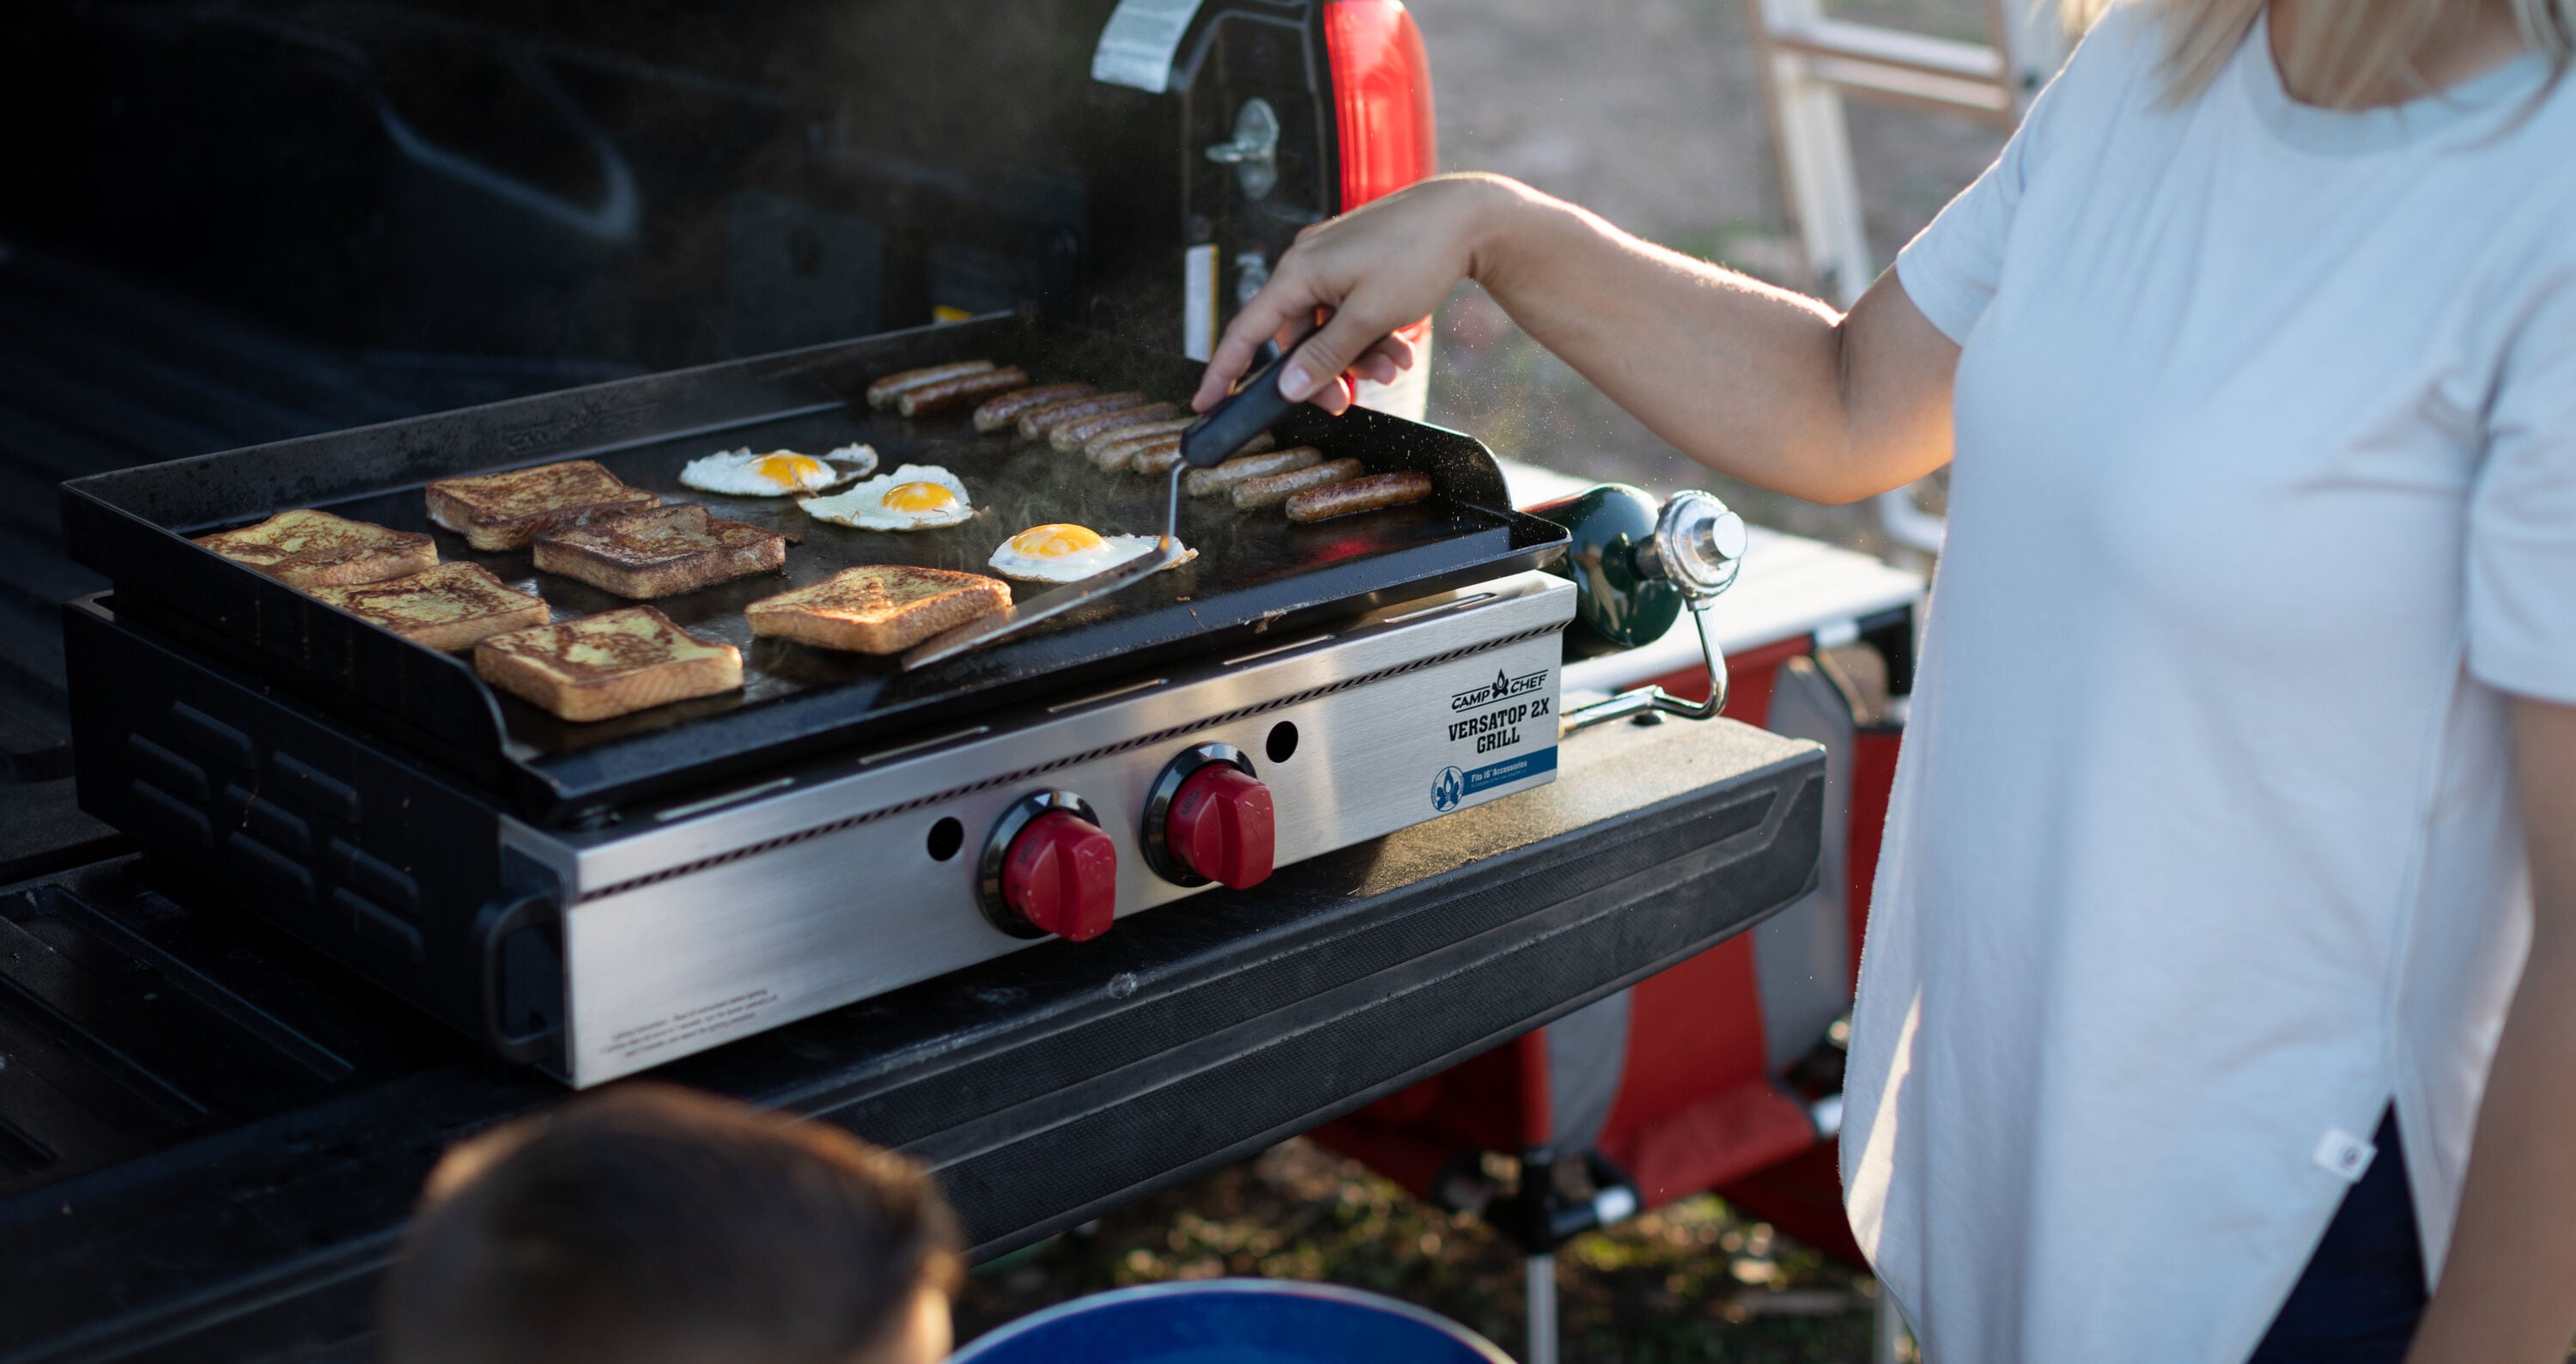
(2508, 1289)
(1758, 382)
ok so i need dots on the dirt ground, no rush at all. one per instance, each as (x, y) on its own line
(1686, 1282)
(1650, 112)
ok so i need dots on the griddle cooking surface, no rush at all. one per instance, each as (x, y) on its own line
(1013, 483)
(1253, 570)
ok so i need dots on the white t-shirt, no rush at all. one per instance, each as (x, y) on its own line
(2203, 846)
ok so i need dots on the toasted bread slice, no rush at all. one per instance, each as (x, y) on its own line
(507, 510)
(878, 608)
(661, 552)
(310, 549)
(615, 663)
(447, 608)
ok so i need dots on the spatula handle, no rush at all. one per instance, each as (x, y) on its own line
(1247, 412)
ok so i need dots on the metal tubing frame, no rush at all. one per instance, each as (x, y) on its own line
(1655, 701)
(1539, 1290)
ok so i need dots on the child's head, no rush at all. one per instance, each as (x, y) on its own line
(652, 1225)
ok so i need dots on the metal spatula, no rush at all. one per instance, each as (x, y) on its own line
(1212, 439)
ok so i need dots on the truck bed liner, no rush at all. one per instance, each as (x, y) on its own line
(103, 370)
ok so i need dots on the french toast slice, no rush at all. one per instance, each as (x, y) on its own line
(308, 549)
(878, 608)
(507, 510)
(660, 552)
(611, 664)
(447, 608)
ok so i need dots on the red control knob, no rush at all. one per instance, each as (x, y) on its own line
(1221, 826)
(1061, 874)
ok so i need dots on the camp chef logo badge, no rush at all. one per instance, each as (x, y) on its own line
(1448, 789)
(1503, 688)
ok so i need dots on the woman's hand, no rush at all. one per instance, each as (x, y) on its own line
(1387, 265)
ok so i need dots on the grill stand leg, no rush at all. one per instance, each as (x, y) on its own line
(1888, 1335)
(1541, 1270)
(1541, 1215)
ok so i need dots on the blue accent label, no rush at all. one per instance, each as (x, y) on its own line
(1448, 789)
(1453, 786)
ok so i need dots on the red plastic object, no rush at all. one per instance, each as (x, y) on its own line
(1382, 93)
(1696, 1106)
(1221, 826)
(1061, 874)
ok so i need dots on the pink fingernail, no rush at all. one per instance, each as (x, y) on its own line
(1295, 383)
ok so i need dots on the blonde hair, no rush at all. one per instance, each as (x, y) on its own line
(2341, 48)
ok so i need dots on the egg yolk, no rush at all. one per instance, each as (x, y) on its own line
(786, 470)
(917, 497)
(1056, 541)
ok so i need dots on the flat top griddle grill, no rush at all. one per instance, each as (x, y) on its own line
(1255, 572)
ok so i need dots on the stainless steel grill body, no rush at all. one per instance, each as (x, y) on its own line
(692, 925)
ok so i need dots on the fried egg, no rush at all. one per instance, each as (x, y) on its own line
(913, 497)
(776, 474)
(1064, 553)
(852, 461)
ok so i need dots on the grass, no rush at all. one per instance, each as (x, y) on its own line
(1692, 1281)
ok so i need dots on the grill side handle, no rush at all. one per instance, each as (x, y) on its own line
(518, 940)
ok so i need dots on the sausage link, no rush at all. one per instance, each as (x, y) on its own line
(948, 393)
(1037, 421)
(1359, 495)
(1119, 455)
(1159, 458)
(1272, 489)
(1222, 478)
(1003, 411)
(884, 391)
(1071, 435)
(1110, 448)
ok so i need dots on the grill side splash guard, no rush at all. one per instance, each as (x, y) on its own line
(1045, 1087)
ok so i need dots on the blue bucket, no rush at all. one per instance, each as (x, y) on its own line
(1233, 1321)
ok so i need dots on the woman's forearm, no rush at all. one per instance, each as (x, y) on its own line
(1761, 383)
(2508, 1286)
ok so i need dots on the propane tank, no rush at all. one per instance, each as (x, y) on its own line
(1635, 564)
